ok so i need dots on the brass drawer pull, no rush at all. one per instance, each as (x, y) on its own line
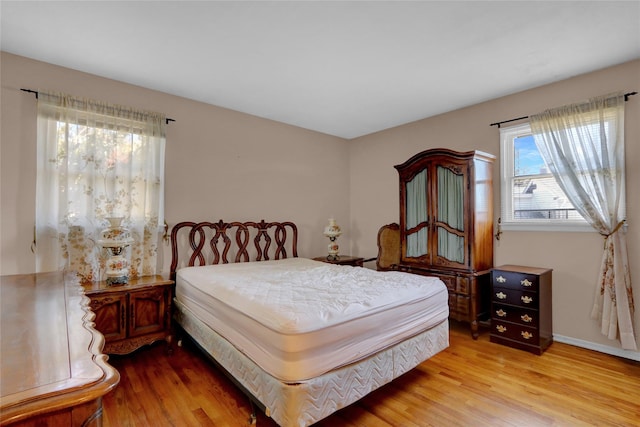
(501, 313)
(526, 318)
(500, 279)
(501, 328)
(526, 335)
(501, 295)
(525, 282)
(526, 299)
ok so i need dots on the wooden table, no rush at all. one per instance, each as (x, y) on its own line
(53, 371)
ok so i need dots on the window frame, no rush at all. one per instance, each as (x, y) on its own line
(507, 175)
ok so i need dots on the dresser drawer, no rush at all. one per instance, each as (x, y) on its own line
(515, 332)
(458, 284)
(508, 313)
(463, 305)
(453, 301)
(449, 281)
(513, 280)
(463, 286)
(515, 297)
(459, 307)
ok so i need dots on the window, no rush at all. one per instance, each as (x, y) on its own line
(531, 199)
(96, 161)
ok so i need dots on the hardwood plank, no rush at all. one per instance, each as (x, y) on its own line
(471, 383)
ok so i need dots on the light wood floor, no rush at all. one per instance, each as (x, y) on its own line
(472, 383)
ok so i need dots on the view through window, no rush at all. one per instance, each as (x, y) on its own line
(531, 196)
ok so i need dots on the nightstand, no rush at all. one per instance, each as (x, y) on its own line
(132, 315)
(521, 307)
(342, 260)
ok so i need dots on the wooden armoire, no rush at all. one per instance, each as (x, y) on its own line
(446, 226)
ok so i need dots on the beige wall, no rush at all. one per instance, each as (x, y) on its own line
(219, 163)
(225, 164)
(574, 257)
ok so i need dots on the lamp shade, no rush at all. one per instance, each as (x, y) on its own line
(333, 229)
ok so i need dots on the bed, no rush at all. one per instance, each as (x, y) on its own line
(301, 338)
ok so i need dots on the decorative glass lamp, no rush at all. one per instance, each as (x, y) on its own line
(115, 239)
(332, 231)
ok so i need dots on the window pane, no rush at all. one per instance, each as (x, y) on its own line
(526, 157)
(541, 198)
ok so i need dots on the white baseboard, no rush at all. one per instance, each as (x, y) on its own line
(627, 354)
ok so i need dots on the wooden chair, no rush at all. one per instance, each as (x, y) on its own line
(388, 247)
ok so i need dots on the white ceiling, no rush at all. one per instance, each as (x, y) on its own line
(343, 68)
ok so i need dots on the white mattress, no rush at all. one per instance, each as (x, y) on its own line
(297, 318)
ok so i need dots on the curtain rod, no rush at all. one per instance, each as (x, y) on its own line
(626, 98)
(35, 92)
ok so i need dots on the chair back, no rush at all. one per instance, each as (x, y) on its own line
(388, 247)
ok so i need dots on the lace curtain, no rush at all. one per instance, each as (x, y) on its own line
(583, 146)
(95, 161)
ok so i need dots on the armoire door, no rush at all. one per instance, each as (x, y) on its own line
(416, 230)
(450, 244)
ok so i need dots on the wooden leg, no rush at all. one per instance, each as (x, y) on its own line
(474, 329)
(169, 341)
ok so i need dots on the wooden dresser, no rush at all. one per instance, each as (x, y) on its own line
(53, 370)
(132, 315)
(521, 307)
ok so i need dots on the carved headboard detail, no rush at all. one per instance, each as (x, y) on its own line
(206, 243)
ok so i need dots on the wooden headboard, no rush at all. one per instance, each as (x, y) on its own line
(206, 243)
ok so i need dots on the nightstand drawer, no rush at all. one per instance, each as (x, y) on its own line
(509, 313)
(512, 280)
(516, 332)
(515, 297)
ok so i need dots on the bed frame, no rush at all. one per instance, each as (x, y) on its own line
(289, 404)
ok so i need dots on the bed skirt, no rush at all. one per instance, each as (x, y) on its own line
(303, 403)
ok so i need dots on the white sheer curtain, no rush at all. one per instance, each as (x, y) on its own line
(94, 161)
(583, 146)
